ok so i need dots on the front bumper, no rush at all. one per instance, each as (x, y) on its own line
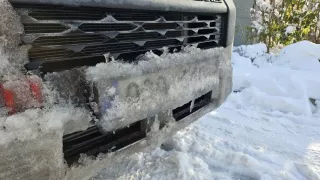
(125, 97)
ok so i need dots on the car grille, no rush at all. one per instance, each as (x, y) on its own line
(65, 37)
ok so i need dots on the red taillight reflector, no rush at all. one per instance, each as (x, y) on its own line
(22, 94)
(36, 89)
(8, 99)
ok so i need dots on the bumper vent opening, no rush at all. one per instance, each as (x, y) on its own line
(92, 141)
(185, 110)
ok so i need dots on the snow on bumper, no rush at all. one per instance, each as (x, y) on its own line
(126, 93)
(33, 160)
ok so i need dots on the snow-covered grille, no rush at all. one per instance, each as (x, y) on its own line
(60, 34)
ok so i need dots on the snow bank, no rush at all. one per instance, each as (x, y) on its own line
(277, 83)
(303, 55)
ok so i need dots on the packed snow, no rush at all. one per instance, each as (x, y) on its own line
(269, 127)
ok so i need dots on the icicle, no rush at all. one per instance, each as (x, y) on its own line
(192, 106)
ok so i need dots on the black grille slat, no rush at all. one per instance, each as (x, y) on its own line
(195, 25)
(64, 64)
(69, 40)
(44, 28)
(178, 18)
(101, 49)
(160, 26)
(179, 33)
(99, 27)
(161, 43)
(207, 31)
(135, 17)
(214, 37)
(137, 36)
(66, 15)
(213, 24)
(44, 53)
(196, 39)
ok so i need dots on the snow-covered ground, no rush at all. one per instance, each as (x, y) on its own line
(267, 129)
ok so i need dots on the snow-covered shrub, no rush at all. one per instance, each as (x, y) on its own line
(283, 22)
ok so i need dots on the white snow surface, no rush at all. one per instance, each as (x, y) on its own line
(290, 30)
(266, 130)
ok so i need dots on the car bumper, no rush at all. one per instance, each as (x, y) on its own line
(126, 97)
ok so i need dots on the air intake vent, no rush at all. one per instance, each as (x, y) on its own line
(66, 37)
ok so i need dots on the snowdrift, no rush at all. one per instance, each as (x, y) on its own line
(284, 82)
